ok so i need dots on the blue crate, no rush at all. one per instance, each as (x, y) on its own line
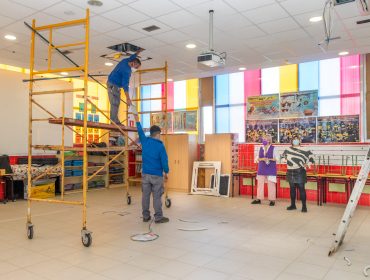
(77, 162)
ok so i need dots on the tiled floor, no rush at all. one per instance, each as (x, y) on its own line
(243, 241)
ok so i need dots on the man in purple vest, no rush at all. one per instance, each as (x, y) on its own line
(266, 171)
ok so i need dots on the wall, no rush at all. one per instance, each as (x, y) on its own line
(14, 114)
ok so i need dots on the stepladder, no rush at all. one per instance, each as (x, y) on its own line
(351, 206)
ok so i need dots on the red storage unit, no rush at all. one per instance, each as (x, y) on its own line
(2, 191)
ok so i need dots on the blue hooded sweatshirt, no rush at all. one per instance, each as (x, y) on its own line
(121, 74)
(155, 160)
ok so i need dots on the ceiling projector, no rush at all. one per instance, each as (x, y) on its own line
(211, 58)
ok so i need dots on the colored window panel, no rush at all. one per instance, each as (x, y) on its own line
(252, 83)
(289, 78)
(236, 88)
(222, 120)
(145, 93)
(222, 90)
(270, 80)
(192, 89)
(179, 95)
(156, 92)
(309, 76)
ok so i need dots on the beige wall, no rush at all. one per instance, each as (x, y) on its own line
(14, 114)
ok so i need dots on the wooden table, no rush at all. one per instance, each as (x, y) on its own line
(325, 178)
(243, 173)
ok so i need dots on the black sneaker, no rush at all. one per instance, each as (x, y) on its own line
(272, 203)
(145, 220)
(163, 220)
(304, 209)
(291, 207)
(256, 201)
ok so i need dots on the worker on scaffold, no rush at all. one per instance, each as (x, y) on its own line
(120, 78)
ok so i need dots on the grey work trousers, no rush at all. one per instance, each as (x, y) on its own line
(114, 94)
(152, 184)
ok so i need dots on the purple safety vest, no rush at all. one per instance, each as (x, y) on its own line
(263, 168)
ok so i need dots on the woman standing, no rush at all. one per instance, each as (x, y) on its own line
(298, 160)
(266, 171)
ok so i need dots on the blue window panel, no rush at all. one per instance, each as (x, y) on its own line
(222, 120)
(222, 89)
(156, 92)
(308, 75)
(236, 88)
(145, 93)
(145, 120)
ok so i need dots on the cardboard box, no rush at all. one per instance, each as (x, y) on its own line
(2, 172)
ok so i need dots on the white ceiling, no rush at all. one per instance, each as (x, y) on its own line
(254, 33)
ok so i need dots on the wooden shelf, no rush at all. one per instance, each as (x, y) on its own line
(82, 176)
(80, 167)
(115, 174)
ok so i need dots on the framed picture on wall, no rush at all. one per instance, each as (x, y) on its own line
(256, 130)
(305, 128)
(263, 107)
(158, 119)
(299, 104)
(338, 129)
(185, 121)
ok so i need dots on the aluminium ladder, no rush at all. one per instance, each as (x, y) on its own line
(351, 206)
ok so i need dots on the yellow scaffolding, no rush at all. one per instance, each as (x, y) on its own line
(164, 110)
(66, 122)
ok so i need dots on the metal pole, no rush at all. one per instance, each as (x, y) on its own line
(63, 143)
(211, 29)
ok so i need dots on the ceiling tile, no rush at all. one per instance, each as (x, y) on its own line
(148, 43)
(125, 15)
(139, 27)
(172, 19)
(248, 32)
(304, 19)
(40, 4)
(351, 23)
(233, 22)
(243, 5)
(154, 8)
(189, 3)
(65, 11)
(14, 10)
(5, 21)
(295, 7)
(172, 36)
(278, 25)
(107, 5)
(266, 13)
(125, 34)
(101, 24)
(220, 9)
(347, 10)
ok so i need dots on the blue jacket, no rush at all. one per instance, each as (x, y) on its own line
(155, 160)
(121, 74)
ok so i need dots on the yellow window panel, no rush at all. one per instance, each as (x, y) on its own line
(192, 93)
(289, 78)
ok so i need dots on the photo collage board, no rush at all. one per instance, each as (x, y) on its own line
(296, 114)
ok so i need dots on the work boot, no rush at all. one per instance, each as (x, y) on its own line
(162, 220)
(272, 203)
(256, 201)
(145, 220)
(291, 207)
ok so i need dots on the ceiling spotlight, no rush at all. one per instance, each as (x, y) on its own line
(10, 37)
(316, 19)
(242, 69)
(169, 80)
(95, 3)
(191, 46)
(64, 73)
(108, 64)
(343, 53)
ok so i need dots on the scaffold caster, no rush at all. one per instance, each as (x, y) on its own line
(168, 202)
(128, 200)
(30, 231)
(86, 237)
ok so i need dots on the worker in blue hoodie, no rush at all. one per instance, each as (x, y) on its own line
(155, 170)
(120, 78)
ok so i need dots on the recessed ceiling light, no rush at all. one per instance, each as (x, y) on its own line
(69, 13)
(64, 73)
(191, 46)
(169, 80)
(10, 37)
(242, 69)
(95, 3)
(316, 19)
(108, 64)
(343, 53)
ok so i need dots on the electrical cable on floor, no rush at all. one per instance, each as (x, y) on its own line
(192, 229)
(147, 236)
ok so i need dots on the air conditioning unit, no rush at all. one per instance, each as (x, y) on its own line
(364, 7)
